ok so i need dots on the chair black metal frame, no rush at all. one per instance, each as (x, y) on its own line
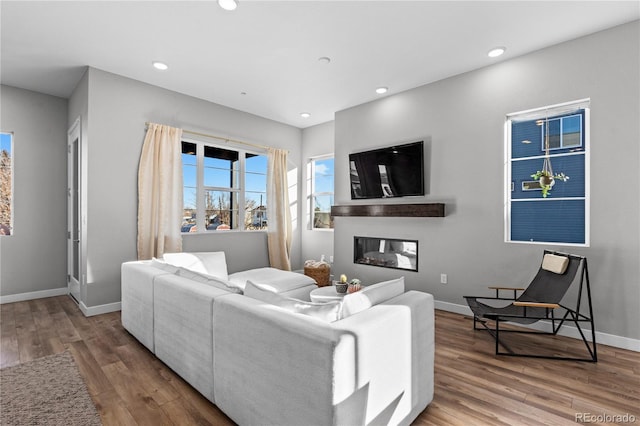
(539, 302)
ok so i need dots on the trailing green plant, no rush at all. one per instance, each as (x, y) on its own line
(547, 183)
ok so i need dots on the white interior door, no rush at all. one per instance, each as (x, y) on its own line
(74, 253)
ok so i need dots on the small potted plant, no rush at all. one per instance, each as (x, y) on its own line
(342, 285)
(354, 285)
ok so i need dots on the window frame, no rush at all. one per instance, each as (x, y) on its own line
(313, 193)
(202, 189)
(584, 149)
(11, 183)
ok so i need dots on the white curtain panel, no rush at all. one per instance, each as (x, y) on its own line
(160, 192)
(278, 214)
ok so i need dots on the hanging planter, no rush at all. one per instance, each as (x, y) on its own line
(548, 180)
(546, 177)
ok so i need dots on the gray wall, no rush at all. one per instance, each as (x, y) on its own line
(34, 258)
(462, 119)
(118, 108)
(316, 141)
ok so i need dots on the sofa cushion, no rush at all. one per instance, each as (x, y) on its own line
(327, 312)
(162, 265)
(183, 328)
(370, 296)
(276, 280)
(208, 279)
(210, 263)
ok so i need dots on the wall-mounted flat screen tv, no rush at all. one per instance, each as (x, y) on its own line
(395, 171)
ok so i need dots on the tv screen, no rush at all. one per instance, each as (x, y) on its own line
(396, 171)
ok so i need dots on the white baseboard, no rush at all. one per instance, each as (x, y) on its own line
(452, 307)
(566, 330)
(90, 311)
(33, 295)
(86, 310)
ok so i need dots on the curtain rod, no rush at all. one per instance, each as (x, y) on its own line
(219, 138)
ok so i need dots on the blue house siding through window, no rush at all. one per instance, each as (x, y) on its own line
(552, 221)
(561, 217)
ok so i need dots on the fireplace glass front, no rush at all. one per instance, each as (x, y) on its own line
(386, 252)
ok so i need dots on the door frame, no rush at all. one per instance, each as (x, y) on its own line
(76, 278)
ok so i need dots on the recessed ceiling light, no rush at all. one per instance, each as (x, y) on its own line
(305, 115)
(160, 66)
(324, 59)
(496, 51)
(228, 4)
(381, 90)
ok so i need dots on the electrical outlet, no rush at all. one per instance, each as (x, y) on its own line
(443, 278)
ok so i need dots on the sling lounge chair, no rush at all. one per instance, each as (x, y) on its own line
(542, 300)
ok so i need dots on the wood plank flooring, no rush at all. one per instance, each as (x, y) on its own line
(472, 386)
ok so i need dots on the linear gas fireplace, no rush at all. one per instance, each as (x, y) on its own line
(386, 252)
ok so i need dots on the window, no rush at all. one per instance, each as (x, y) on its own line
(224, 188)
(321, 173)
(559, 213)
(6, 183)
(564, 132)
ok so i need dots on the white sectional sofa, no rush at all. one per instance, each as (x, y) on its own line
(265, 358)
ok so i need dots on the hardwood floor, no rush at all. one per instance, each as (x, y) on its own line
(472, 386)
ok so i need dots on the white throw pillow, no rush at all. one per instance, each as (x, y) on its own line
(327, 312)
(209, 280)
(554, 263)
(210, 263)
(370, 296)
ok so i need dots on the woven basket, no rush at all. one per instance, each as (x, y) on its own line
(320, 274)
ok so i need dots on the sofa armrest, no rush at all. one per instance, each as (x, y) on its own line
(272, 367)
(137, 283)
(355, 371)
(396, 347)
(422, 307)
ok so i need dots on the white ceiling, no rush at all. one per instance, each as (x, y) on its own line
(269, 50)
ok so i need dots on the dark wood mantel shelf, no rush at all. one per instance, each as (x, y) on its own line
(390, 210)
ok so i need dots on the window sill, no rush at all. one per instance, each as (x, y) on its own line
(228, 231)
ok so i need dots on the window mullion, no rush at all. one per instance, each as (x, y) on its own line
(241, 191)
(200, 190)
